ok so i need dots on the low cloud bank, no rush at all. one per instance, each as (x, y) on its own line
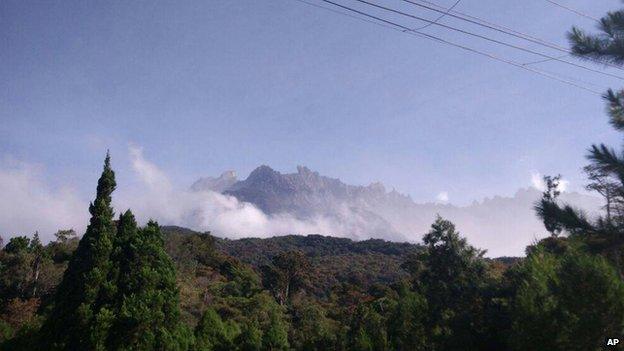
(503, 225)
(222, 214)
(29, 204)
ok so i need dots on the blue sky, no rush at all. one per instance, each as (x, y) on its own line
(207, 86)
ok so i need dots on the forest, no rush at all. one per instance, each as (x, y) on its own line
(122, 286)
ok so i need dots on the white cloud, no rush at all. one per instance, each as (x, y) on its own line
(443, 197)
(157, 198)
(537, 181)
(29, 204)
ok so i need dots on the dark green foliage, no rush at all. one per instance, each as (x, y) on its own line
(607, 46)
(211, 334)
(288, 273)
(78, 318)
(250, 338)
(17, 244)
(367, 330)
(567, 302)
(145, 312)
(334, 260)
(451, 275)
(407, 324)
(119, 291)
(604, 234)
(275, 338)
(311, 329)
(550, 196)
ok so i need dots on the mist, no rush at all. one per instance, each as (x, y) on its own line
(502, 225)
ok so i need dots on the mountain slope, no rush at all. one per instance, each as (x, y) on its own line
(503, 225)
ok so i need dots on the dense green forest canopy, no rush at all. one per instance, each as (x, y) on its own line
(126, 287)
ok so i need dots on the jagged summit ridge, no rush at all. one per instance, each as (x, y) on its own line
(374, 212)
(218, 184)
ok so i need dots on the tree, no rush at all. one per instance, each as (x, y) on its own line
(533, 325)
(604, 234)
(211, 334)
(406, 324)
(567, 302)
(606, 186)
(146, 301)
(367, 330)
(250, 338)
(311, 330)
(275, 338)
(550, 195)
(63, 236)
(16, 269)
(36, 248)
(77, 317)
(451, 275)
(17, 244)
(287, 274)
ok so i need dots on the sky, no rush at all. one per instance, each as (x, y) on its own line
(201, 87)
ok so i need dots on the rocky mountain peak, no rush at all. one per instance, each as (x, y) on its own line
(218, 184)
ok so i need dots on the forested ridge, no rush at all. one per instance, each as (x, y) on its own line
(122, 286)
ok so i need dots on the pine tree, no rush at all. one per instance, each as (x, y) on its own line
(78, 318)
(603, 234)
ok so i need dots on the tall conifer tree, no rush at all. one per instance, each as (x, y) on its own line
(78, 319)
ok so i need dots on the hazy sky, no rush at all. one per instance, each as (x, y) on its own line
(207, 86)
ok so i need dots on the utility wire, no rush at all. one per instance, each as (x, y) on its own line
(490, 39)
(542, 61)
(441, 16)
(495, 27)
(346, 14)
(582, 14)
(499, 28)
(406, 30)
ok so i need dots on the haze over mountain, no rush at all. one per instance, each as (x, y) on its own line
(503, 225)
(268, 203)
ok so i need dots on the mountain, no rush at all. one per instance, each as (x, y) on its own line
(308, 196)
(503, 225)
(218, 184)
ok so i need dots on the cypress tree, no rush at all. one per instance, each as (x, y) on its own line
(146, 303)
(78, 318)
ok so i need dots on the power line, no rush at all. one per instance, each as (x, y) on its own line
(345, 14)
(489, 39)
(499, 28)
(441, 16)
(542, 61)
(582, 14)
(406, 30)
